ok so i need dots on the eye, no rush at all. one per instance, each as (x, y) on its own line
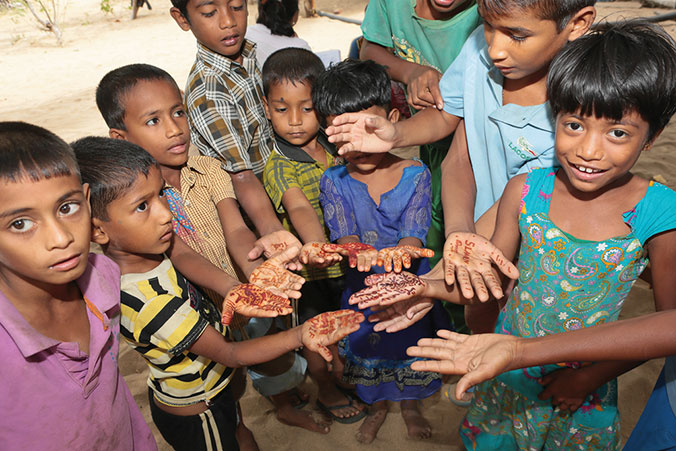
(574, 126)
(143, 206)
(179, 113)
(280, 110)
(153, 121)
(308, 109)
(69, 208)
(209, 14)
(618, 133)
(22, 225)
(517, 38)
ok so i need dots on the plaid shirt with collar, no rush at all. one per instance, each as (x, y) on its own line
(224, 101)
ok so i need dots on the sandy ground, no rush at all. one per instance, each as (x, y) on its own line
(53, 86)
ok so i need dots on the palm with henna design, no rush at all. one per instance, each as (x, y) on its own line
(468, 258)
(360, 255)
(387, 289)
(272, 276)
(253, 301)
(315, 254)
(327, 328)
(275, 242)
(400, 256)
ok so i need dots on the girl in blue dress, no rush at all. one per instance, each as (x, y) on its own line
(382, 201)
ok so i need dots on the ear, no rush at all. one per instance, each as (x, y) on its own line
(99, 235)
(394, 115)
(267, 107)
(581, 22)
(649, 144)
(180, 19)
(116, 133)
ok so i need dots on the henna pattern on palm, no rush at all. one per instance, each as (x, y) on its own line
(387, 289)
(253, 301)
(327, 328)
(271, 275)
(352, 250)
(399, 256)
(313, 252)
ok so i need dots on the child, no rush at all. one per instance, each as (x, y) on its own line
(383, 202)
(224, 102)
(291, 178)
(585, 233)
(497, 85)
(59, 308)
(165, 318)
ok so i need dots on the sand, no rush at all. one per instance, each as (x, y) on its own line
(53, 86)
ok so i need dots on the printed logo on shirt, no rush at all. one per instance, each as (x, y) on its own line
(407, 52)
(523, 148)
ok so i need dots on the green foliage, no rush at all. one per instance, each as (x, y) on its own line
(106, 7)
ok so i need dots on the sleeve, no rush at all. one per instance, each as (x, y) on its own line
(220, 183)
(656, 213)
(416, 217)
(165, 321)
(376, 24)
(278, 176)
(338, 214)
(215, 118)
(452, 84)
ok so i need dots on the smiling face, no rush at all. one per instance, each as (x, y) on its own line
(155, 120)
(289, 108)
(139, 224)
(44, 231)
(599, 153)
(445, 9)
(219, 25)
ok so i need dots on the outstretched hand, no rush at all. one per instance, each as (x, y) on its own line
(363, 132)
(479, 357)
(361, 256)
(401, 315)
(400, 256)
(327, 328)
(315, 254)
(468, 258)
(253, 301)
(272, 276)
(423, 89)
(274, 243)
(568, 388)
(388, 289)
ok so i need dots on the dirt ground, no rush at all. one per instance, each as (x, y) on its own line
(53, 86)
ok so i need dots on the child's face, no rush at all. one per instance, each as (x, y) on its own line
(44, 231)
(447, 7)
(155, 120)
(220, 25)
(521, 45)
(596, 153)
(290, 110)
(139, 220)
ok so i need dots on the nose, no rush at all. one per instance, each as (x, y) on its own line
(496, 45)
(226, 19)
(172, 128)
(58, 236)
(162, 211)
(590, 148)
(295, 117)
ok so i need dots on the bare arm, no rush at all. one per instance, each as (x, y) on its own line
(458, 187)
(303, 217)
(239, 238)
(253, 198)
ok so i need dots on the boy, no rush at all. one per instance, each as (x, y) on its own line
(497, 85)
(164, 317)
(59, 308)
(291, 178)
(223, 98)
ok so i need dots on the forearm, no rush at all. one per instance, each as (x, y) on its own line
(306, 223)
(410, 241)
(427, 126)
(348, 239)
(198, 269)
(240, 242)
(253, 198)
(397, 68)
(458, 187)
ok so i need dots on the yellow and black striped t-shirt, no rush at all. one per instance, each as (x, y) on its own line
(162, 316)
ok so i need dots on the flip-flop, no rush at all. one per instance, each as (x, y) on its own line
(347, 420)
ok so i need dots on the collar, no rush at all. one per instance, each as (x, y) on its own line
(223, 63)
(93, 284)
(295, 153)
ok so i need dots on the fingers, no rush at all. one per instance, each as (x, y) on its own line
(228, 313)
(374, 279)
(504, 265)
(256, 251)
(437, 98)
(449, 272)
(286, 255)
(493, 285)
(462, 275)
(429, 366)
(478, 284)
(466, 382)
(324, 352)
(346, 118)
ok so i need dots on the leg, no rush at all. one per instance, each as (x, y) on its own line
(417, 425)
(371, 425)
(243, 434)
(287, 414)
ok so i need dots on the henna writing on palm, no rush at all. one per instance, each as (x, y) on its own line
(251, 300)
(327, 328)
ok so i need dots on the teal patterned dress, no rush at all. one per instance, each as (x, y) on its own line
(565, 284)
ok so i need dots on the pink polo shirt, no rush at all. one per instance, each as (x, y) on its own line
(55, 397)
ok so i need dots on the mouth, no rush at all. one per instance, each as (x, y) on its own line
(177, 149)
(444, 3)
(67, 264)
(166, 236)
(297, 134)
(505, 69)
(586, 172)
(230, 40)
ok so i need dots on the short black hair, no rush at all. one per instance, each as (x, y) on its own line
(277, 15)
(618, 68)
(182, 6)
(292, 65)
(118, 82)
(351, 86)
(110, 166)
(560, 11)
(29, 151)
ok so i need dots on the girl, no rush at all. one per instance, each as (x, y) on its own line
(584, 232)
(382, 202)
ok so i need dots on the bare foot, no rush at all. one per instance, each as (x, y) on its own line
(289, 415)
(245, 438)
(417, 425)
(298, 397)
(371, 424)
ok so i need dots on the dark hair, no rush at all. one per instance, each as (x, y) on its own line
(182, 6)
(277, 15)
(618, 68)
(293, 65)
(351, 86)
(118, 82)
(30, 151)
(560, 11)
(110, 166)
